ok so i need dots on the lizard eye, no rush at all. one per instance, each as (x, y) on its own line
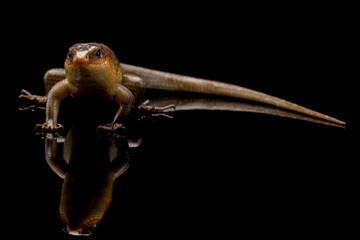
(69, 55)
(98, 53)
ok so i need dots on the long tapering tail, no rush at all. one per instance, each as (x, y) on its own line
(174, 82)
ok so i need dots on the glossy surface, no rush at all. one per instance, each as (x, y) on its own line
(268, 167)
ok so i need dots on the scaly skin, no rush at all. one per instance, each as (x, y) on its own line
(92, 69)
(174, 82)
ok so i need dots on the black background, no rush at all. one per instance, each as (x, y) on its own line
(203, 173)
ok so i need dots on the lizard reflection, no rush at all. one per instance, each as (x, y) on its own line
(89, 165)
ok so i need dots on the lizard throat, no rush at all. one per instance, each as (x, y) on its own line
(93, 81)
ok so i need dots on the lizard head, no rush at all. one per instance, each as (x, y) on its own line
(92, 69)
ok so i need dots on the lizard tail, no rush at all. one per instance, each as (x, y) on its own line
(174, 82)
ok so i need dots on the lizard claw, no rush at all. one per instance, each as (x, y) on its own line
(49, 127)
(145, 107)
(29, 101)
(111, 129)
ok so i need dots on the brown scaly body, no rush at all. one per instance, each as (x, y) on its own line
(92, 69)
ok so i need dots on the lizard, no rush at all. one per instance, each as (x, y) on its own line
(92, 69)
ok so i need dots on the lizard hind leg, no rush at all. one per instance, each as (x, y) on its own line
(137, 87)
(145, 107)
(148, 112)
(30, 101)
(53, 76)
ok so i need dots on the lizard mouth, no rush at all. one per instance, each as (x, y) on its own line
(75, 82)
(79, 75)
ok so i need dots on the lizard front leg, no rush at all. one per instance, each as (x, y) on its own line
(126, 101)
(57, 93)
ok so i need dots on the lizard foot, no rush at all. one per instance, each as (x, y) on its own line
(145, 107)
(111, 129)
(49, 127)
(29, 101)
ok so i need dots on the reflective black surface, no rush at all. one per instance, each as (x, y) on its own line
(198, 174)
(204, 173)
